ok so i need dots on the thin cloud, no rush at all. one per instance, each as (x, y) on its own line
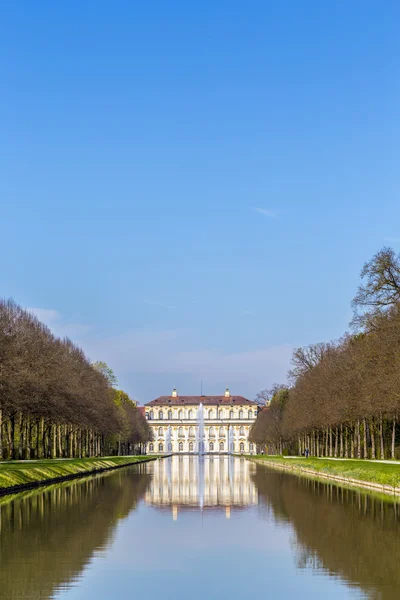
(58, 325)
(392, 240)
(266, 212)
(155, 303)
(46, 315)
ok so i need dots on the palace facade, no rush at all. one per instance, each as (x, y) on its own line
(201, 424)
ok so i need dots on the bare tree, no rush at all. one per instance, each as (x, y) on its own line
(380, 289)
(306, 358)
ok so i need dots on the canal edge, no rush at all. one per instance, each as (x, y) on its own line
(296, 469)
(45, 482)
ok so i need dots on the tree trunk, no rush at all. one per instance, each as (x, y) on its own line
(358, 439)
(352, 435)
(21, 436)
(341, 440)
(372, 434)
(365, 438)
(12, 437)
(53, 442)
(59, 441)
(336, 441)
(70, 442)
(381, 436)
(393, 436)
(28, 433)
(41, 439)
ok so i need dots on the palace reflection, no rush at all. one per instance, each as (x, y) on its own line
(212, 482)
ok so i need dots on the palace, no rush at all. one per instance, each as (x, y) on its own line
(201, 424)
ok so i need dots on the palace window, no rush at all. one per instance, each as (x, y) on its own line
(161, 414)
(190, 415)
(241, 431)
(221, 432)
(169, 415)
(211, 447)
(147, 415)
(251, 447)
(151, 447)
(211, 414)
(191, 432)
(221, 446)
(221, 414)
(170, 447)
(191, 447)
(180, 431)
(161, 447)
(231, 415)
(211, 432)
(151, 414)
(250, 414)
(180, 414)
(180, 447)
(241, 447)
(160, 431)
(240, 414)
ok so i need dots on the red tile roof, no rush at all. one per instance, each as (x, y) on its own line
(205, 400)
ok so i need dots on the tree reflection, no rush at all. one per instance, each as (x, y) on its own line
(47, 537)
(347, 533)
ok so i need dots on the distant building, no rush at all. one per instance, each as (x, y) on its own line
(179, 422)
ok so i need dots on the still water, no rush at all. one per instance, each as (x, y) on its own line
(211, 528)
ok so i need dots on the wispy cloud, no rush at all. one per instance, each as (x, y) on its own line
(156, 303)
(163, 354)
(392, 240)
(46, 315)
(146, 361)
(59, 326)
(266, 212)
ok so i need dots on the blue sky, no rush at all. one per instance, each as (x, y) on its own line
(189, 190)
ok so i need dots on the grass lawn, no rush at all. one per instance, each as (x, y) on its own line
(23, 473)
(374, 472)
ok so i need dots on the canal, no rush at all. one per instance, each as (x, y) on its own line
(210, 528)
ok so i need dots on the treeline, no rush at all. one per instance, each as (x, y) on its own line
(344, 397)
(53, 401)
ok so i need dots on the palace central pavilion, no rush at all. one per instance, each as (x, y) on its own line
(179, 422)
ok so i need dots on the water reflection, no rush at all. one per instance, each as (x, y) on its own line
(48, 536)
(163, 525)
(340, 532)
(183, 482)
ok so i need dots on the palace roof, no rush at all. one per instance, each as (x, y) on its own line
(205, 400)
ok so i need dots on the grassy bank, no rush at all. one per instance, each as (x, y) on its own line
(365, 473)
(17, 475)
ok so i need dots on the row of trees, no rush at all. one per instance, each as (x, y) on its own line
(53, 401)
(344, 396)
